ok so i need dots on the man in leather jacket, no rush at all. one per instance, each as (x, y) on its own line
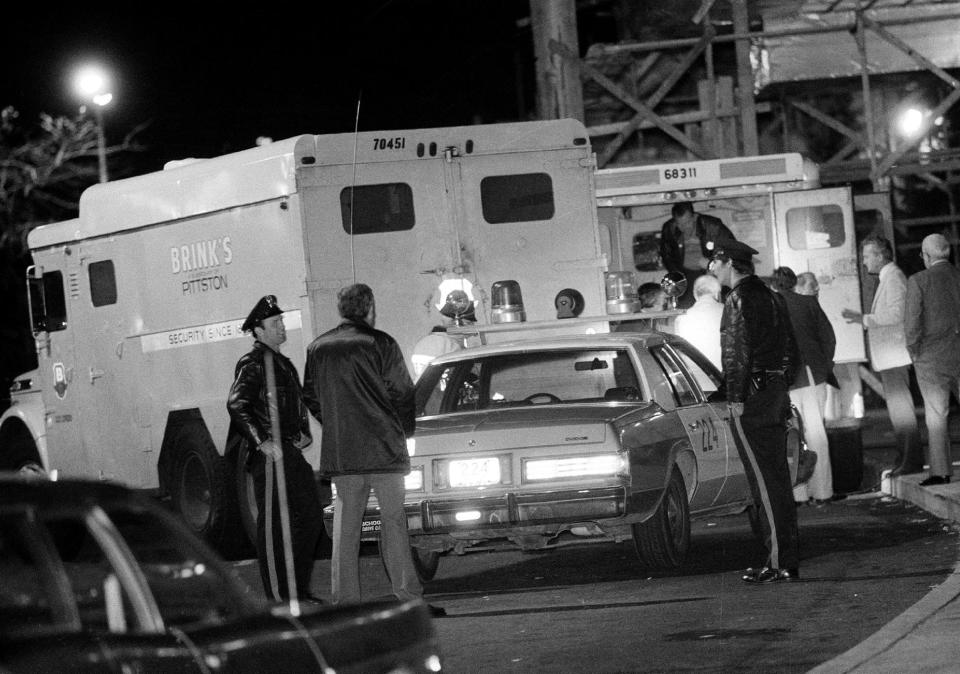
(760, 357)
(675, 252)
(357, 386)
(249, 412)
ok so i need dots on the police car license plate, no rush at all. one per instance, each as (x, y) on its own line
(474, 472)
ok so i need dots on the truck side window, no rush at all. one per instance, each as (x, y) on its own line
(103, 283)
(373, 209)
(810, 227)
(521, 197)
(48, 303)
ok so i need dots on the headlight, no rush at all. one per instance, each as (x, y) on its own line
(413, 481)
(574, 466)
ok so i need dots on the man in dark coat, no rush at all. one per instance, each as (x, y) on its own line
(250, 413)
(932, 326)
(688, 241)
(759, 355)
(816, 342)
(357, 386)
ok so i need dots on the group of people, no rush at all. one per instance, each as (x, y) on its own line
(776, 347)
(915, 321)
(357, 386)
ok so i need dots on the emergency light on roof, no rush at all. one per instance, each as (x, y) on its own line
(507, 303)
(621, 293)
(684, 179)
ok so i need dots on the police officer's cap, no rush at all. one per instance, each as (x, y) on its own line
(734, 250)
(264, 308)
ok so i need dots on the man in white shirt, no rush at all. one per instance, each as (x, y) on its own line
(701, 324)
(889, 357)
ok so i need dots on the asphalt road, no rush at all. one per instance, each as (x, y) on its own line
(596, 609)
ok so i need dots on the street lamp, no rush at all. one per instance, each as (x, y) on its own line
(93, 86)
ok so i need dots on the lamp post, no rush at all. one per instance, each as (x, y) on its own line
(92, 85)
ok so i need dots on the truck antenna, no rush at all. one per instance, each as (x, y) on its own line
(353, 187)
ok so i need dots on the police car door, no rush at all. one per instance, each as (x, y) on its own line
(815, 232)
(692, 380)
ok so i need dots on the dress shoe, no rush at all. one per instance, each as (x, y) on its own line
(769, 575)
(935, 480)
(436, 611)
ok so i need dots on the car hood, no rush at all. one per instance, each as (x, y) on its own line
(536, 426)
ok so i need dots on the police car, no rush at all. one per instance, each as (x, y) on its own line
(541, 443)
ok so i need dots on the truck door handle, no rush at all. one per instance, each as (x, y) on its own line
(95, 374)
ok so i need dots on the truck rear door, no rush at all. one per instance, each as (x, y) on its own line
(815, 232)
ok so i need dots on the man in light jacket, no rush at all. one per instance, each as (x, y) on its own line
(888, 350)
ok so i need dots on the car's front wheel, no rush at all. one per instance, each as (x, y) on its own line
(663, 540)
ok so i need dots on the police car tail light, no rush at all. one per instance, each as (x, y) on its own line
(572, 466)
(413, 481)
(621, 292)
(507, 303)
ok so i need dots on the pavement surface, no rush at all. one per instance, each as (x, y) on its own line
(925, 637)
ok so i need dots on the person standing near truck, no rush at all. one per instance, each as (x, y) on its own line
(688, 241)
(760, 356)
(249, 409)
(357, 386)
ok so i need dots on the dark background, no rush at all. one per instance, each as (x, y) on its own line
(212, 83)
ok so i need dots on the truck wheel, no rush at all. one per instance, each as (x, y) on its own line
(246, 496)
(203, 493)
(663, 540)
(247, 500)
(20, 453)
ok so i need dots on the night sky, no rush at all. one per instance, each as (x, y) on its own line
(213, 84)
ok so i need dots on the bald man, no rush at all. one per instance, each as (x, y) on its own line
(700, 325)
(932, 326)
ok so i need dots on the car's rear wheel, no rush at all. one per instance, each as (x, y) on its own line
(663, 540)
(203, 493)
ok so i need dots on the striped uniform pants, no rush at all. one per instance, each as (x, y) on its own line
(760, 436)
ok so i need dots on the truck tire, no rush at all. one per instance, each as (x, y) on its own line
(663, 540)
(202, 490)
(247, 500)
(19, 452)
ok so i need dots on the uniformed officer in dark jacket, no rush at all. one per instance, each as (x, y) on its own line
(249, 412)
(759, 354)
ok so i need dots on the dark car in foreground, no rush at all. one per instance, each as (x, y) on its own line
(97, 578)
(546, 442)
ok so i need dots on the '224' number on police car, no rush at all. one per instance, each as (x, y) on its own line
(397, 143)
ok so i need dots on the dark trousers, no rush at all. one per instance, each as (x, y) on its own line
(306, 520)
(760, 435)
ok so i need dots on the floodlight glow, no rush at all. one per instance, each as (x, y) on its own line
(911, 122)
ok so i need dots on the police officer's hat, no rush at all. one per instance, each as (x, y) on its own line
(734, 250)
(265, 308)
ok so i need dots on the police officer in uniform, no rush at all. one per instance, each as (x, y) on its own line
(759, 354)
(249, 412)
